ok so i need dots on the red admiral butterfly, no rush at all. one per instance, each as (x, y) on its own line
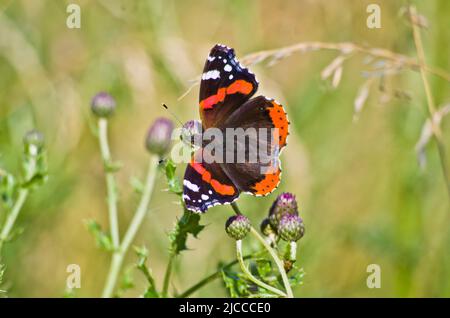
(225, 90)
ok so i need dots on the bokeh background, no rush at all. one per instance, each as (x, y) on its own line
(363, 196)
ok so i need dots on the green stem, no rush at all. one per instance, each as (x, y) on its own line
(21, 198)
(211, 277)
(203, 282)
(167, 275)
(250, 275)
(148, 275)
(12, 216)
(271, 251)
(110, 181)
(437, 133)
(130, 234)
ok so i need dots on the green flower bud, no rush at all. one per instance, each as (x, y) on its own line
(285, 203)
(33, 142)
(237, 227)
(159, 136)
(266, 228)
(291, 228)
(103, 105)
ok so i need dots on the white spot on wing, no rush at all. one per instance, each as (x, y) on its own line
(211, 58)
(191, 186)
(213, 74)
(231, 76)
(227, 68)
(205, 197)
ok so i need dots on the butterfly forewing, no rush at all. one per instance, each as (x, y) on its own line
(225, 85)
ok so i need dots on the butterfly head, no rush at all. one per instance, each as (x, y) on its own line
(191, 134)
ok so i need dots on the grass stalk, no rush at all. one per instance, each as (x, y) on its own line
(430, 101)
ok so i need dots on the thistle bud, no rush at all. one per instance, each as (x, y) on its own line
(237, 227)
(291, 228)
(266, 228)
(191, 133)
(285, 203)
(33, 142)
(159, 136)
(103, 105)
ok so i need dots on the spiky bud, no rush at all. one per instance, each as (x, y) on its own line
(33, 142)
(159, 136)
(285, 203)
(103, 105)
(191, 133)
(291, 228)
(237, 227)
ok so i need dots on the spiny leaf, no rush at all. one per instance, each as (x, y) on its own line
(230, 285)
(189, 223)
(172, 180)
(264, 267)
(296, 276)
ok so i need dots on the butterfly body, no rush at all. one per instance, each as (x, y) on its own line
(247, 135)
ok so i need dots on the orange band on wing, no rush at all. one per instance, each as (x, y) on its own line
(268, 184)
(280, 121)
(239, 86)
(220, 188)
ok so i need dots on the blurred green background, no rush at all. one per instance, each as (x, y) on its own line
(363, 196)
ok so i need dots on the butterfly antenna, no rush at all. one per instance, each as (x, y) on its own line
(173, 115)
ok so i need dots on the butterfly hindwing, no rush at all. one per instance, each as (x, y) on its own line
(225, 85)
(269, 120)
(205, 185)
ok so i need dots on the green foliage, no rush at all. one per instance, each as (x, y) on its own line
(2, 274)
(236, 284)
(263, 267)
(102, 239)
(7, 189)
(239, 286)
(189, 223)
(126, 282)
(172, 180)
(112, 166)
(150, 291)
(35, 169)
(15, 232)
(296, 275)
